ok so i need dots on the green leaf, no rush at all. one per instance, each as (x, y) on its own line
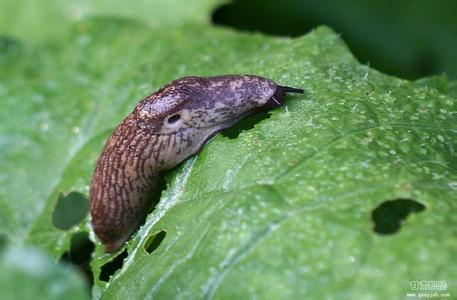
(30, 274)
(282, 210)
(49, 19)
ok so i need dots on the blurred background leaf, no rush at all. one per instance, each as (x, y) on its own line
(27, 273)
(50, 19)
(408, 39)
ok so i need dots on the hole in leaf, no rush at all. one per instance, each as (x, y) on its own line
(154, 241)
(110, 268)
(80, 254)
(390, 215)
(70, 210)
(245, 124)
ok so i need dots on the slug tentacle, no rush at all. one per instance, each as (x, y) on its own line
(164, 129)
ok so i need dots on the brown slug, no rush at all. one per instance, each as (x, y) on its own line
(164, 129)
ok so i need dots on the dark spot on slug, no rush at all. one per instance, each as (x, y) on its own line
(173, 119)
(110, 268)
(70, 210)
(154, 241)
(80, 254)
(390, 215)
(151, 140)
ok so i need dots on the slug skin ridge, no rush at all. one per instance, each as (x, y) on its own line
(164, 129)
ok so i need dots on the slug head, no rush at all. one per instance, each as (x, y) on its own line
(204, 103)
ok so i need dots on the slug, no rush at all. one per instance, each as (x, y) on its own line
(164, 129)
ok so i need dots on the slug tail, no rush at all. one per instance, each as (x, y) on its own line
(114, 246)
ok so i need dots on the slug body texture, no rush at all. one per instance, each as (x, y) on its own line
(164, 129)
